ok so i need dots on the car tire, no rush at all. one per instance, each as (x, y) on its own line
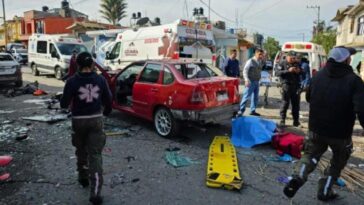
(164, 123)
(19, 83)
(35, 71)
(58, 73)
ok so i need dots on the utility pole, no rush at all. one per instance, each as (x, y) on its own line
(209, 10)
(318, 16)
(5, 26)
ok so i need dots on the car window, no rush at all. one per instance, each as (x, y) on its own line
(68, 48)
(194, 70)
(52, 48)
(168, 77)
(150, 73)
(6, 58)
(115, 51)
(42, 47)
(130, 72)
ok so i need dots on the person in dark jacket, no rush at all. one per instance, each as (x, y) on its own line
(89, 96)
(336, 97)
(306, 76)
(231, 67)
(289, 72)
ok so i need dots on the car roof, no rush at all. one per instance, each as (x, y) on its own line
(171, 61)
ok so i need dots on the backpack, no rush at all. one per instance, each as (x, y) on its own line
(288, 143)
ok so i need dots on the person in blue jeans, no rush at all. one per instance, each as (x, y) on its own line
(252, 73)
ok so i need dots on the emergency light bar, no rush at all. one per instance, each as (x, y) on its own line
(298, 46)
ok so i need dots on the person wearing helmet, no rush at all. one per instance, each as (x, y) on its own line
(336, 98)
(89, 97)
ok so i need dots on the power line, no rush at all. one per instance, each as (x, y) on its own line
(268, 7)
(217, 14)
(248, 8)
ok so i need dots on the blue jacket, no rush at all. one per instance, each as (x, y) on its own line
(306, 76)
(87, 93)
(231, 68)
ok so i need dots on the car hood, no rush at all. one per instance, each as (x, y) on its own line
(8, 63)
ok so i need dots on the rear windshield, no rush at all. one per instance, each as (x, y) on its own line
(67, 48)
(6, 58)
(194, 70)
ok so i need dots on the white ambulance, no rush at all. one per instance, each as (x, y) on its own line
(180, 40)
(52, 53)
(314, 53)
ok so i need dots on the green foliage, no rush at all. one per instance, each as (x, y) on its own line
(113, 10)
(271, 45)
(326, 37)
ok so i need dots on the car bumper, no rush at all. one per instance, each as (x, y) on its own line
(212, 115)
(10, 78)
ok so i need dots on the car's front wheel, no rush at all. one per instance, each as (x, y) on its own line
(164, 123)
(35, 71)
(58, 73)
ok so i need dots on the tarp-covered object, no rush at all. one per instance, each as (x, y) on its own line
(250, 131)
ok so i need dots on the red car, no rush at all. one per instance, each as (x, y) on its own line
(168, 92)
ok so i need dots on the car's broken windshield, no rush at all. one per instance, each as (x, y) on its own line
(194, 70)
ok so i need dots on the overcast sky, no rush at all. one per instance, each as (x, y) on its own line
(286, 20)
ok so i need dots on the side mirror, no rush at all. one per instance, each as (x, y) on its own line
(107, 55)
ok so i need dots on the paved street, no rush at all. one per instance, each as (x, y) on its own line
(135, 171)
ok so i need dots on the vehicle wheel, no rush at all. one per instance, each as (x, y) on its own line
(58, 73)
(19, 83)
(164, 123)
(35, 71)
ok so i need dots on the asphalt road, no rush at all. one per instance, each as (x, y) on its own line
(135, 170)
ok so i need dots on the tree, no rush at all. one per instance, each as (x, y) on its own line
(326, 37)
(271, 45)
(113, 10)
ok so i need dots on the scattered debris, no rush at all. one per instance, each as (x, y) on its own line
(27, 89)
(117, 131)
(4, 177)
(284, 180)
(47, 118)
(9, 131)
(283, 158)
(176, 160)
(6, 111)
(135, 180)
(340, 182)
(129, 158)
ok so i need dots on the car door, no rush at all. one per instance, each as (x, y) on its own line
(146, 90)
(52, 60)
(41, 54)
(113, 58)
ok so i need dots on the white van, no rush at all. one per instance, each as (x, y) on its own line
(314, 53)
(52, 53)
(179, 40)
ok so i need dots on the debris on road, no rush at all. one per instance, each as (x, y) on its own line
(283, 158)
(9, 131)
(284, 180)
(222, 167)
(4, 177)
(6, 111)
(47, 118)
(288, 143)
(173, 158)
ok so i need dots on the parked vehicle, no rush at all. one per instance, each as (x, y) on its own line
(10, 70)
(180, 40)
(52, 53)
(168, 92)
(313, 52)
(20, 55)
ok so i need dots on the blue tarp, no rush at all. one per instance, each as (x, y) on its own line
(250, 131)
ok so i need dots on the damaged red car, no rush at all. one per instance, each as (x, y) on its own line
(168, 92)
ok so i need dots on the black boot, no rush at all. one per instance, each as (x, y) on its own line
(83, 177)
(296, 123)
(293, 185)
(325, 192)
(96, 200)
(282, 123)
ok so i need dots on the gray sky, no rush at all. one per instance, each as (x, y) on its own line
(286, 20)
